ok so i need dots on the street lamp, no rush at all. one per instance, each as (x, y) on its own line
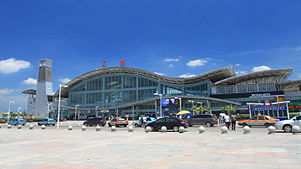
(59, 105)
(96, 112)
(160, 95)
(8, 113)
(75, 112)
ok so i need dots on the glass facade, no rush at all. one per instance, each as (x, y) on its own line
(117, 89)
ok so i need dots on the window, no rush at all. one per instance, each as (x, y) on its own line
(129, 96)
(171, 120)
(261, 118)
(129, 82)
(142, 82)
(160, 120)
(113, 82)
(298, 118)
(95, 84)
(253, 118)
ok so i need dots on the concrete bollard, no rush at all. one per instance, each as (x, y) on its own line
(224, 130)
(30, 127)
(271, 129)
(43, 127)
(9, 126)
(246, 129)
(296, 129)
(113, 128)
(181, 129)
(131, 128)
(84, 128)
(201, 129)
(97, 128)
(70, 128)
(163, 129)
(148, 129)
(19, 126)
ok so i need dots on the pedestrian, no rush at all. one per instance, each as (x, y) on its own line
(233, 122)
(227, 121)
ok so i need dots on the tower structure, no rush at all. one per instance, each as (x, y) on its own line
(44, 88)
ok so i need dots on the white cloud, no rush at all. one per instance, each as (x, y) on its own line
(12, 65)
(64, 80)
(170, 65)
(237, 64)
(30, 81)
(172, 59)
(261, 68)
(241, 72)
(299, 76)
(161, 74)
(198, 62)
(187, 75)
(5, 91)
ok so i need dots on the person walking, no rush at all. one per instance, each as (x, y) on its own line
(233, 122)
(227, 121)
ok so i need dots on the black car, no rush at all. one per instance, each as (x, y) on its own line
(95, 121)
(171, 123)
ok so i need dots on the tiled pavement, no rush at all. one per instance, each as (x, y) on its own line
(52, 148)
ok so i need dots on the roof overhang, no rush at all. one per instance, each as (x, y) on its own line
(30, 91)
(281, 73)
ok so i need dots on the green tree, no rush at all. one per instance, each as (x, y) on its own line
(228, 109)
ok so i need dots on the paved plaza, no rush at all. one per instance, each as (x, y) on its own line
(52, 148)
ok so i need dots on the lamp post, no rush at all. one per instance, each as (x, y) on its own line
(8, 113)
(75, 112)
(96, 112)
(59, 106)
(160, 95)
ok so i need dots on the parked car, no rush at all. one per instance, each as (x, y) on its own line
(47, 122)
(17, 122)
(118, 122)
(203, 119)
(287, 125)
(259, 120)
(148, 120)
(95, 121)
(171, 123)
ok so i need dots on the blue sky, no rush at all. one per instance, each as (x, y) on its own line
(172, 37)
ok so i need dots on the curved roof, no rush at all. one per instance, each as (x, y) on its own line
(30, 91)
(282, 73)
(213, 76)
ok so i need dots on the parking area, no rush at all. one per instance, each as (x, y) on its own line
(53, 148)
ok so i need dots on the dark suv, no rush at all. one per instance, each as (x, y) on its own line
(202, 119)
(95, 121)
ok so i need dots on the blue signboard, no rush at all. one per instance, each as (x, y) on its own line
(268, 108)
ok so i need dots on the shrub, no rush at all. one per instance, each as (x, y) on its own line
(293, 115)
(242, 116)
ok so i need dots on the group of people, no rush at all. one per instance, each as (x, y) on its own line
(228, 121)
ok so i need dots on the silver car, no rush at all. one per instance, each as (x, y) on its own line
(287, 125)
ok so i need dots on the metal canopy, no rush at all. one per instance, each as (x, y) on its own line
(282, 73)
